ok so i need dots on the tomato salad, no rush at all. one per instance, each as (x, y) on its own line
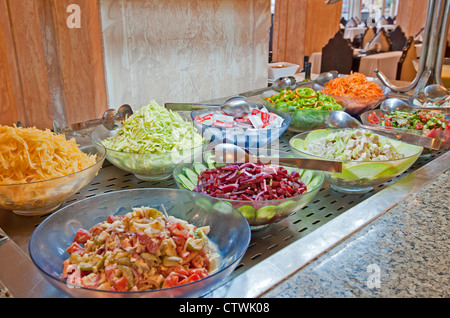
(418, 120)
(141, 250)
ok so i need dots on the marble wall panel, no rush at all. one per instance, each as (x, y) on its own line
(183, 50)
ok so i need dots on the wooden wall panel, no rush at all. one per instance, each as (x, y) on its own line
(80, 55)
(302, 27)
(11, 104)
(30, 62)
(184, 50)
(52, 71)
(412, 15)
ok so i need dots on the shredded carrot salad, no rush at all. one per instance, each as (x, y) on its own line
(354, 85)
(30, 154)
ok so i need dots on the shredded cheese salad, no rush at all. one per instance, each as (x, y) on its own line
(141, 250)
(30, 155)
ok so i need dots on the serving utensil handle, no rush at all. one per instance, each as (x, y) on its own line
(418, 140)
(189, 106)
(308, 164)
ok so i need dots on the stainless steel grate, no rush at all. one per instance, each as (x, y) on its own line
(265, 242)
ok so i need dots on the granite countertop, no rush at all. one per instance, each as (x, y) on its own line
(403, 253)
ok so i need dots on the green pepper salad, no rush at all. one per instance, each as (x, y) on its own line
(303, 98)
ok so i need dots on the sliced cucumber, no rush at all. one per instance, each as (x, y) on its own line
(266, 213)
(248, 212)
(191, 175)
(307, 176)
(186, 182)
(287, 206)
(204, 203)
(315, 181)
(223, 206)
(199, 167)
(209, 160)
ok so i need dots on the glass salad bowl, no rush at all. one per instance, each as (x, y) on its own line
(357, 176)
(242, 137)
(145, 166)
(229, 232)
(259, 214)
(444, 135)
(42, 197)
(358, 105)
(302, 119)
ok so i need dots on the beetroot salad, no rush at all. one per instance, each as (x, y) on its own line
(250, 182)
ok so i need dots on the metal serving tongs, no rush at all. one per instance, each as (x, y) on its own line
(111, 120)
(340, 119)
(230, 153)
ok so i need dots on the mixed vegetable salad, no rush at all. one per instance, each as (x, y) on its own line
(418, 120)
(141, 250)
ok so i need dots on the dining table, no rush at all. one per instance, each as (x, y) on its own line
(365, 63)
(316, 61)
(418, 47)
(385, 62)
(387, 27)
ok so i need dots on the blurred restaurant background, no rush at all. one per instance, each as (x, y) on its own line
(133, 51)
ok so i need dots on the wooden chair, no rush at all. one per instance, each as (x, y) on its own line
(367, 37)
(337, 55)
(398, 39)
(382, 40)
(405, 67)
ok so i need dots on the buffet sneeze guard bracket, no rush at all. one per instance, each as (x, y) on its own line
(433, 50)
(275, 252)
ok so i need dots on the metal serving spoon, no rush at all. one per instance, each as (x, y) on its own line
(340, 119)
(435, 92)
(392, 104)
(236, 106)
(290, 82)
(325, 77)
(230, 153)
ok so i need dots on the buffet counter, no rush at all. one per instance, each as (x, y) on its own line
(390, 242)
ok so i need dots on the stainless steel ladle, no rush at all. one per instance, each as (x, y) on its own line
(230, 153)
(392, 104)
(290, 82)
(287, 82)
(236, 106)
(435, 92)
(325, 77)
(340, 119)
